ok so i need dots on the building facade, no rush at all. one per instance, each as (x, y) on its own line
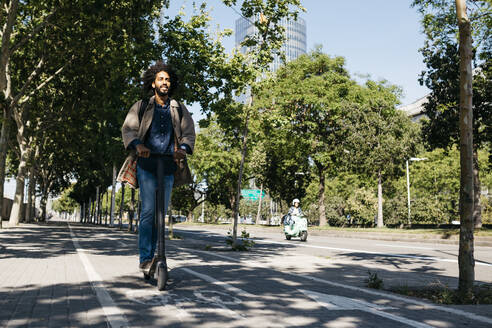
(294, 46)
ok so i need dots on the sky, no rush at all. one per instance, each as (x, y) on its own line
(378, 38)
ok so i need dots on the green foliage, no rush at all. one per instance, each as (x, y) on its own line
(379, 138)
(302, 105)
(361, 206)
(441, 57)
(213, 213)
(442, 294)
(64, 203)
(242, 244)
(373, 281)
(267, 18)
(349, 199)
(317, 120)
(216, 164)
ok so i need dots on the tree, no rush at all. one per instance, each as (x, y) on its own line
(262, 47)
(442, 77)
(216, 165)
(465, 258)
(335, 123)
(380, 138)
(306, 99)
(77, 58)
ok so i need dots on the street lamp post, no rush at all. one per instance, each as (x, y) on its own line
(412, 159)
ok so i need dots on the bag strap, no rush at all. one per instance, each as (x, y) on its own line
(143, 106)
(180, 114)
(145, 102)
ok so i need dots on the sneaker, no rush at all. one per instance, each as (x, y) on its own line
(153, 265)
(145, 266)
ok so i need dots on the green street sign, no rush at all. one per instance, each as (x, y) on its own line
(251, 194)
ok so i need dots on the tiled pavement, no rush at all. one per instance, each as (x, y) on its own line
(43, 282)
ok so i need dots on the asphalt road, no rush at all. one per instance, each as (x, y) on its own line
(92, 271)
(415, 263)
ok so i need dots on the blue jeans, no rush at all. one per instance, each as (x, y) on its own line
(147, 230)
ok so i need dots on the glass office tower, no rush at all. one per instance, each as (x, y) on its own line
(294, 46)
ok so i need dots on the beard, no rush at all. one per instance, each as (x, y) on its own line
(162, 92)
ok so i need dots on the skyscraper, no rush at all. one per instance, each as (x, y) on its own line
(294, 46)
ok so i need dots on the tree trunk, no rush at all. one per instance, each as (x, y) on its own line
(113, 191)
(321, 197)
(82, 212)
(240, 177)
(30, 204)
(380, 200)
(15, 213)
(466, 261)
(137, 218)
(258, 215)
(43, 204)
(131, 215)
(90, 210)
(106, 208)
(477, 206)
(3, 153)
(170, 221)
(96, 210)
(122, 205)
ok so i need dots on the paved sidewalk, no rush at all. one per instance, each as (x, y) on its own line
(43, 282)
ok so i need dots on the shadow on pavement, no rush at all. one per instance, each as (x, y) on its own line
(273, 297)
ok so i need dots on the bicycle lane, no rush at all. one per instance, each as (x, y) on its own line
(191, 298)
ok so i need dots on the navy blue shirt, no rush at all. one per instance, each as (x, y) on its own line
(159, 139)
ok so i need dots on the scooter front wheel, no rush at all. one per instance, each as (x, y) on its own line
(288, 237)
(304, 236)
(161, 276)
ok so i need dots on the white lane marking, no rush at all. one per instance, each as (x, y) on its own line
(155, 298)
(217, 297)
(407, 247)
(115, 316)
(222, 284)
(335, 302)
(359, 289)
(219, 301)
(428, 258)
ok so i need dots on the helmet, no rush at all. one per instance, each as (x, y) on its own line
(295, 201)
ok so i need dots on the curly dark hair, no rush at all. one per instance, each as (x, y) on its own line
(150, 74)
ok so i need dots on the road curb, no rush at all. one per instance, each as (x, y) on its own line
(393, 236)
(426, 238)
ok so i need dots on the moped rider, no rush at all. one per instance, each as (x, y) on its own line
(294, 210)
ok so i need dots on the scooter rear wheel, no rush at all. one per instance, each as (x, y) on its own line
(288, 237)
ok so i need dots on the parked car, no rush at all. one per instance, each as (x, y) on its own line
(179, 218)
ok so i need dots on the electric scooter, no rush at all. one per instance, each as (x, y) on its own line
(159, 264)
